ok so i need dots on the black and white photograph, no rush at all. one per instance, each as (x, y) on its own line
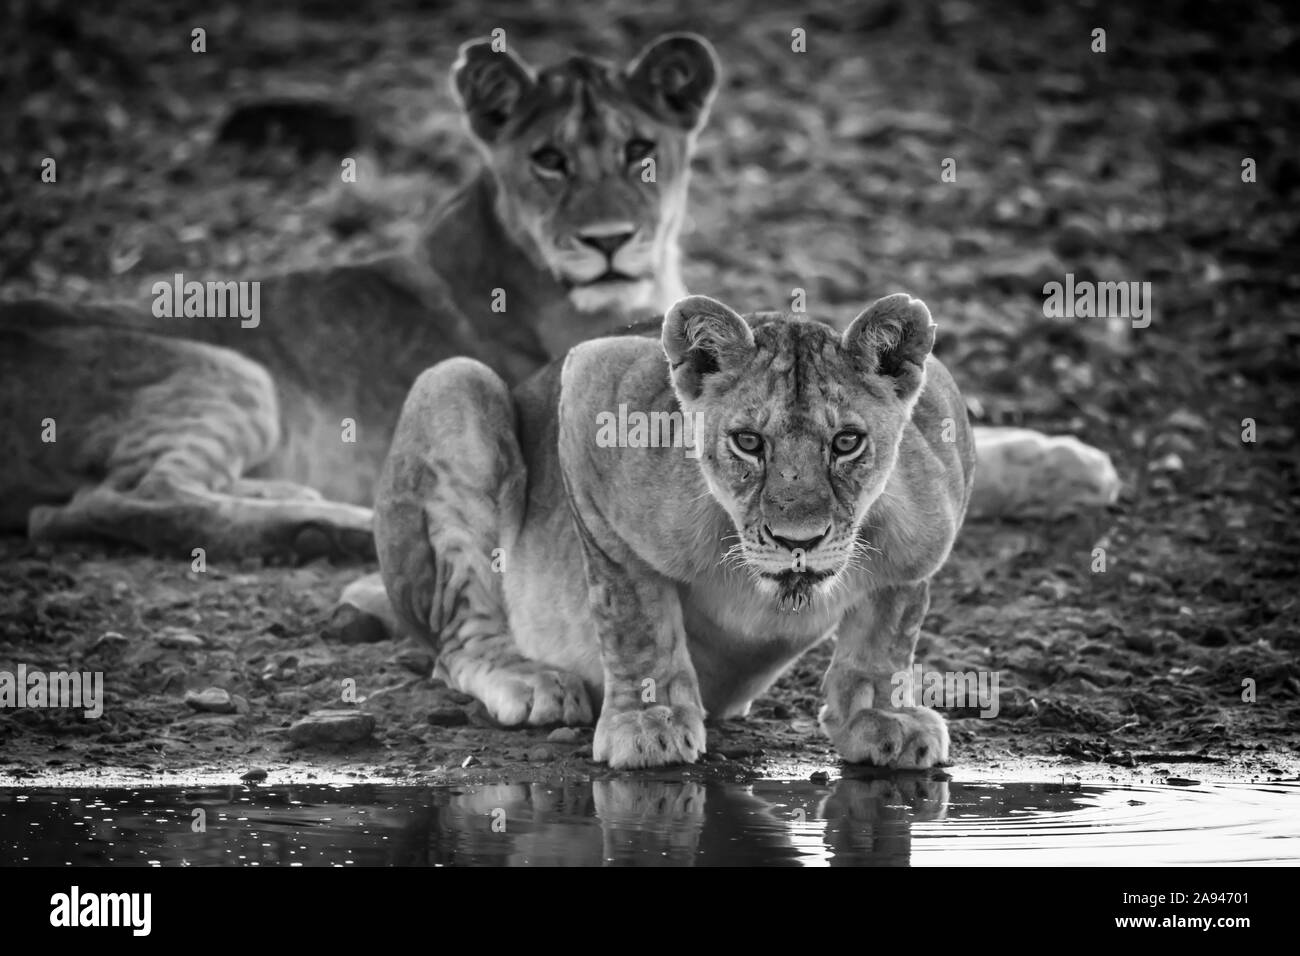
(474, 433)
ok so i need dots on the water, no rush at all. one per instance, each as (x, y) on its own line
(649, 820)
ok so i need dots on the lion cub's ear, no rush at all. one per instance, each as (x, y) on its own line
(892, 338)
(702, 336)
(489, 86)
(675, 78)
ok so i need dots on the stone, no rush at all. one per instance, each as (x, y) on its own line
(351, 625)
(214, 700)
(180, 638)
(448, 716)
(332, 727)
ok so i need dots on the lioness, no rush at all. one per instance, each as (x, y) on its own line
(552, 570)
(185, 433)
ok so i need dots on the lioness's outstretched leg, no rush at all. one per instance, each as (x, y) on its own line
(449, 504)
(875, 642)
(156, 453)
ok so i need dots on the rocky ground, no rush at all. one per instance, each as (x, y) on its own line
(820, 171)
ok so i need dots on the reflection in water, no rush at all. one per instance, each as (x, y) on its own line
(648, 820)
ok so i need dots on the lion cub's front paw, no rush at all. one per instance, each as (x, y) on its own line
(650, 737)
(908, 738)
(536, 695)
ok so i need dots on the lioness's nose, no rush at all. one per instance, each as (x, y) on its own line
(607, 239)
(793, 544)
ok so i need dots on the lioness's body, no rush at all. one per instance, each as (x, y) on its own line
(739, 640)
(338, 343)
(220, 434)
(558, 575)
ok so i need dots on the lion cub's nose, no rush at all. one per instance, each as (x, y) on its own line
(607, 239)
(797, 544)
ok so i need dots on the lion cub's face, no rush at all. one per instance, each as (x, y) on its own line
(591, 160)
(801, 427)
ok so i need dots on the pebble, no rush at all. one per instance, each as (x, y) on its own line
(564, 735)
(1214, 636)
(448, 716)
(351, 625)
(108, 637)
(1169, 462)
(541, 754)
(176, 637)
(213, 700)
(241, 704)
(255, 775)
(470, 761)
(333, 727)
(1141, 642)
(819, 776)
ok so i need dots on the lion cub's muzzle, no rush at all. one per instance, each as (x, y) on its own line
(797, 563)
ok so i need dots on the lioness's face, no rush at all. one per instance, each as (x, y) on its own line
(591, 160)
(801, 428)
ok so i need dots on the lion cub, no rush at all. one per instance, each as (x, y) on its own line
(802, 485)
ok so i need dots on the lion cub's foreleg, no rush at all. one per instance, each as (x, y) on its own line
(652, 714)
(875, 642)
(452, 492)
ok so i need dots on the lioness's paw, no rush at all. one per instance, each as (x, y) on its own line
(908, 738)
(536, 695)
(652, 737)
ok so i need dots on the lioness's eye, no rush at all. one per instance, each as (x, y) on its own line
(751, 443)
(638, 149)
(549, 159)
(848, 443)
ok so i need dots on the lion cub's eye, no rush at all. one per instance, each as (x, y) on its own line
(550, 160)
(847, 444)
(749, 443)
(638, 149)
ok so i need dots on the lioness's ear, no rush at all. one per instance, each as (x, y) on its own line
(674, 78)
(892, 338)
(702, 336)
(489, 85)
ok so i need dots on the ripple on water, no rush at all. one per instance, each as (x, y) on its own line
(656, 820)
